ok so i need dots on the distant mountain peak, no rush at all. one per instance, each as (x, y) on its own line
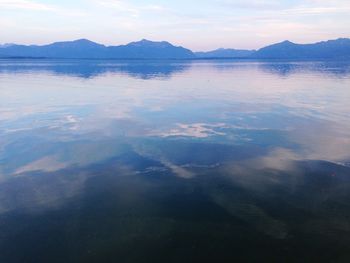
(144, 40)
(150, 43)
(225, 53)
(78, 42)
(331, 49)
(83, 40)
(287, 42)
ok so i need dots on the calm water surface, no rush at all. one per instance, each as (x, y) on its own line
(208, 161)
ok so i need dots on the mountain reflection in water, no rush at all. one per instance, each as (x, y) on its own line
(149, 161)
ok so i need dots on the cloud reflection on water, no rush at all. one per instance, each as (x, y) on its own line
(197, 97)
(238, 131)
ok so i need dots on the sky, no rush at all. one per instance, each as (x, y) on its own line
(197, 24)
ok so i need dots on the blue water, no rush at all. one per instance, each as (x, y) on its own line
(174, 161)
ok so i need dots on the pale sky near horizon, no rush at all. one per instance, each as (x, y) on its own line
(198, 25)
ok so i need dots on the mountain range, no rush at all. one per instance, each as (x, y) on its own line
(146, 49)
(84, 48)
(225, 53)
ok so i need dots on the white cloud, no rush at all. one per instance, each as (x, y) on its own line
(316, 10)
(253, 4)
(119, 6)
(24, 4)
(128, 8)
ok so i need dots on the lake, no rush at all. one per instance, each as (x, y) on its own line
(174, 161)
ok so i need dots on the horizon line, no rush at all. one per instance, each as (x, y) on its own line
(153, 41)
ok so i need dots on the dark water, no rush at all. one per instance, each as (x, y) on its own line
(231, 161)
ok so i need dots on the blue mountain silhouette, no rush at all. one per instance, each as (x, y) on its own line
(331, 49)
(225, 53)
(84, 48)
(146, 49)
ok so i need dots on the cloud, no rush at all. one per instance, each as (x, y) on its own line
(316, 10)
(27, 5)
(125, 7)
(253, 4)
(119, 6)
(307, 7)
(45, 164)
(24, 4)
(198, 130)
